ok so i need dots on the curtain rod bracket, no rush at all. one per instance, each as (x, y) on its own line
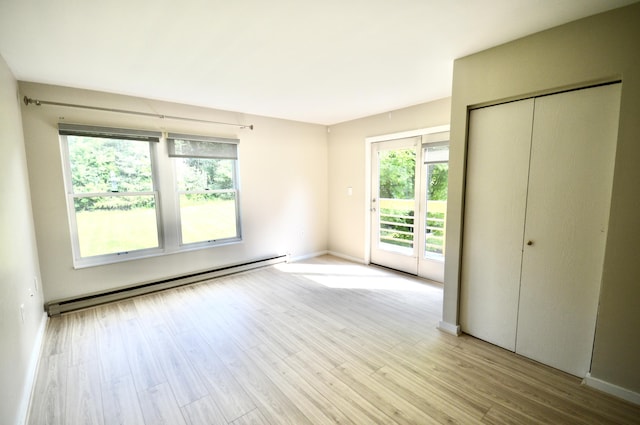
(29, 101)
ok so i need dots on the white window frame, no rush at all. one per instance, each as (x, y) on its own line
(426, 162)
(166, 195)
(137, 136)
(231, 144)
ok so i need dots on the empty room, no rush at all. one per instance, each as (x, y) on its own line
(356, 212)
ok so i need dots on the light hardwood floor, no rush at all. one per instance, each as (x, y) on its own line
(318, 342)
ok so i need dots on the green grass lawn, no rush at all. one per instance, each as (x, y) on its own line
(109, 231)
(206, 221)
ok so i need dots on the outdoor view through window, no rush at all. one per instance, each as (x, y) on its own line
(113, 195)
(115, 179)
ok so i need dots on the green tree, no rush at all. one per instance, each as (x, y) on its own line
(438, 175)
(397, 173)
(205, 174)
(100, 165)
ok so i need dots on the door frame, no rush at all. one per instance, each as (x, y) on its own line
(368, 141)
(387, 256)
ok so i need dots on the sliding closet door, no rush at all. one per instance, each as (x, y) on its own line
(571, 174)
(495, 202)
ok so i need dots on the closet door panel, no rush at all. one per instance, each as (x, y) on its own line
(495, 201)
(569, 193)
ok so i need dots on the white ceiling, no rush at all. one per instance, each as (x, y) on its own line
(319, 61)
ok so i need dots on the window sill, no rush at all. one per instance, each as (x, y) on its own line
(110, 259)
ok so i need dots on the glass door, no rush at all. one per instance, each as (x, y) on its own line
(409, 204)
(394, 205)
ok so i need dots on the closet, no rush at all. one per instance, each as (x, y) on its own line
(538, 190)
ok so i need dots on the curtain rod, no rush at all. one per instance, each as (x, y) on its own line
(29, 101)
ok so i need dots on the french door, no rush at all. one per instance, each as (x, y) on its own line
(408, 204)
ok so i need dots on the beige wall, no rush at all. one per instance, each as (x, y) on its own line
(596, 49)
(18, 261)
(283, 188)
(347, 168)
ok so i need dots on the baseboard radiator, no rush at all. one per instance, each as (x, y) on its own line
(57, 307)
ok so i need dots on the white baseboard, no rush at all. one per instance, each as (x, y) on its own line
(612, 389)
(449, 328)
(347, 257)
(32, 372)
(306, 256)
(61, 306)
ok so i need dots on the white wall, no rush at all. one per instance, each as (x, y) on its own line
(596, 49)
(347, 163)
(283, 188)
(18, 261)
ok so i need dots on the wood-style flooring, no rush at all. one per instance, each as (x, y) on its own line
(318, 342)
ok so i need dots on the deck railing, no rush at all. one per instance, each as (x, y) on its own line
(397, 223)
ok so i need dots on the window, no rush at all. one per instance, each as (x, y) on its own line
(206, 188)
(111, 195)
(115, 179)
(436, 161)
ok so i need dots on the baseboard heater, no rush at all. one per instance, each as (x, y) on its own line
(57, 307)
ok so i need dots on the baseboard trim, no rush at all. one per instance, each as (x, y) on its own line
(612, 389)
(449, 328)
(347, 257)
(32, 372)
(62, 306)
(307, 256)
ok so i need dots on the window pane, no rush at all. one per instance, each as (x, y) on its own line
(437, 183)
(396, 199)
(113, 224)
(208, 217)
(101, 165)
(195, 174)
